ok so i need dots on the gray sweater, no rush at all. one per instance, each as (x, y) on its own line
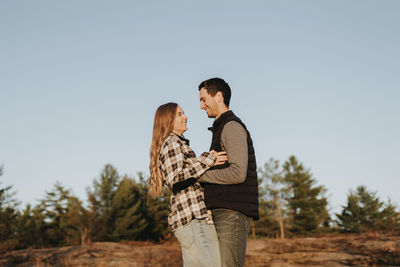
(234, 142)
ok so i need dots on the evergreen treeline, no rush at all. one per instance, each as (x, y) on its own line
(291, 203)
(118, 209)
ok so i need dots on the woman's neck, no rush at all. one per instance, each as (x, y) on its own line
(177, 133)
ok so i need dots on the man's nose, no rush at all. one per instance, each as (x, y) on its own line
(202, 106)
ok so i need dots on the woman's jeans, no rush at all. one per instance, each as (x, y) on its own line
(232, 229)
(199, 243)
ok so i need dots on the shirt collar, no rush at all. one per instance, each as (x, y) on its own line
(182, 138)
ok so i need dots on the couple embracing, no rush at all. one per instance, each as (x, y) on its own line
(214, 196)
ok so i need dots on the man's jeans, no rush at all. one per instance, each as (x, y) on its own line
(199, 243)
(232, 229)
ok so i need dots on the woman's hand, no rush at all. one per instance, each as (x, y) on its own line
(221, 157)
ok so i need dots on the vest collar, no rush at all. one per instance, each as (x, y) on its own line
(221, 119)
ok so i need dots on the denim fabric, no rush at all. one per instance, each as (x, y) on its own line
(199, 243)
(232, 229)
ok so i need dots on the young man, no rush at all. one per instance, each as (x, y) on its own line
(231, 190)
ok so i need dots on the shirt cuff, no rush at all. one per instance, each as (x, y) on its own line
(207, 158)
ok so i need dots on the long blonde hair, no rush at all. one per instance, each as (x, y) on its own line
(163, 126)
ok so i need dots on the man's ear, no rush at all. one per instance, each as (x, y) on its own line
(219, 97)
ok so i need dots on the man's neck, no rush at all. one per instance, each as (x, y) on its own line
(222, 111)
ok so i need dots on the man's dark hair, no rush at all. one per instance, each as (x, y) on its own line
(215, 85)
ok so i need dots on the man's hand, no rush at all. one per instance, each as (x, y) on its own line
(221, 157)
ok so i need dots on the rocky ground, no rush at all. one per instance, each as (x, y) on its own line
(337, 250)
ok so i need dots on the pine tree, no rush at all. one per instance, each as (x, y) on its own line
(127, 209)
(28, 228)
(8, 217)
(54, 207)
(38, 230)
(77, 222)
(272, 191)
(100, 204)
(266, 224)
(156, 212)
(365, 212)
(157, 217)
(389, 218)
(307, 202)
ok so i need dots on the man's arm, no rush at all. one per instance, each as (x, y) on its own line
(234, 142)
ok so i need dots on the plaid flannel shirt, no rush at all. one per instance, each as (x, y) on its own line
(178, 162)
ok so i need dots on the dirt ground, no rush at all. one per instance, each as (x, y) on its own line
(336, 250)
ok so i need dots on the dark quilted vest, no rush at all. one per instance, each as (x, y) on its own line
(240, 197)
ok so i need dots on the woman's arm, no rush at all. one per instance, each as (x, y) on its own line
(179, 162)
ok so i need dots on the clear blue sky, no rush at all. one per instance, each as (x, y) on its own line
(80, 82)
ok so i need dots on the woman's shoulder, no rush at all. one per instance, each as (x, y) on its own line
(171, 138)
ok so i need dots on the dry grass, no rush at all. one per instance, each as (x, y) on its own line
(335, 250)
(98, 254)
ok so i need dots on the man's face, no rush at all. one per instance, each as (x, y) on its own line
(208, 103)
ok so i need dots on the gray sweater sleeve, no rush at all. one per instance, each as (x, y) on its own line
(234, 142)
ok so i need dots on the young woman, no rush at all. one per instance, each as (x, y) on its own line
(173, 163)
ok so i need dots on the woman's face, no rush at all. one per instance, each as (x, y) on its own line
(180, 121)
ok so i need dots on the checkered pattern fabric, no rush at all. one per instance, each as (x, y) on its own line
(178, 162)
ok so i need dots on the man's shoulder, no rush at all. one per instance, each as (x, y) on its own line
(233, 130)
(233, 125)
